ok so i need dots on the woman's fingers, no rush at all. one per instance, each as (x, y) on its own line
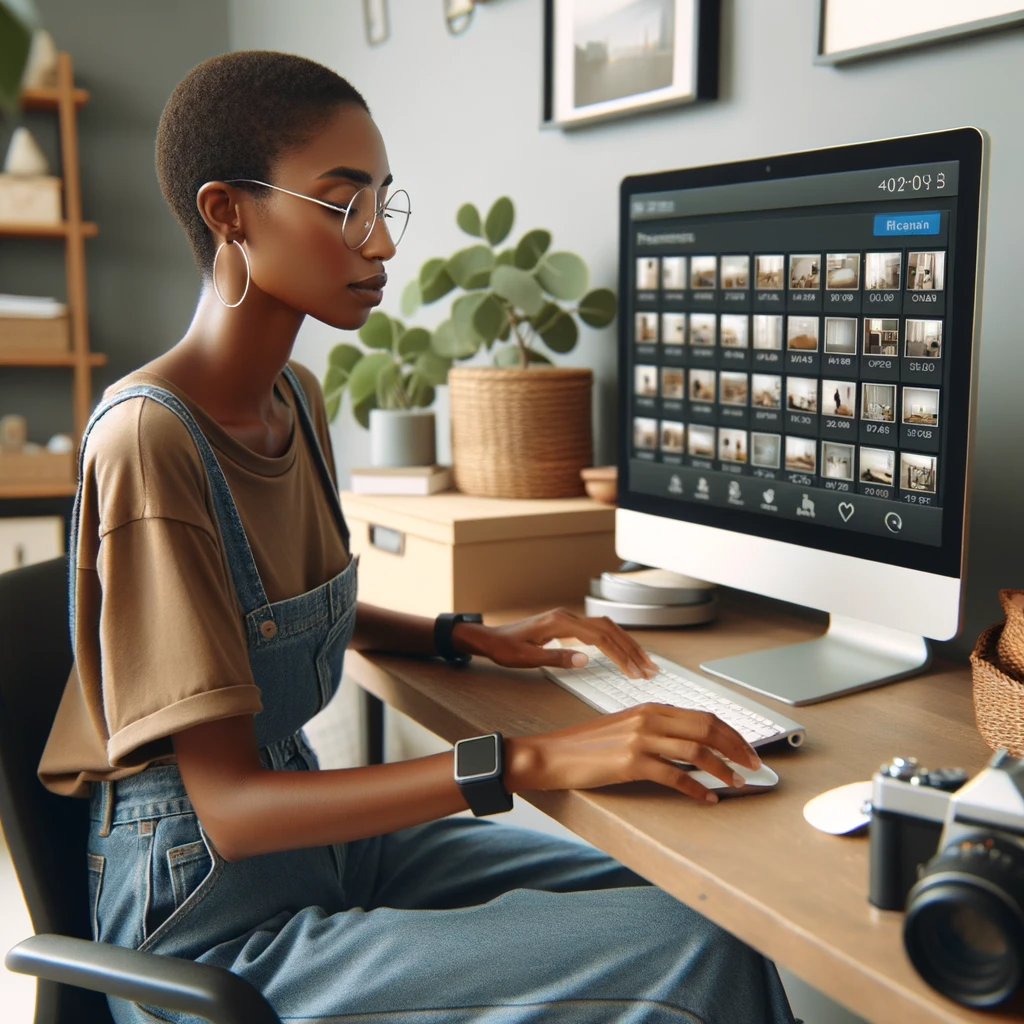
(610, 638)
(669, 775)
(693, 753)
(708, 731)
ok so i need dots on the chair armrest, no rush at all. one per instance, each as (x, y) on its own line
(170, 982)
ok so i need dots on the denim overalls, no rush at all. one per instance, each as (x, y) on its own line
(457, 920)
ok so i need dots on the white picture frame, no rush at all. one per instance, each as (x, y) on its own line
(376, 21)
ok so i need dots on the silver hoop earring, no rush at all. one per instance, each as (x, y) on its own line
(248, 275)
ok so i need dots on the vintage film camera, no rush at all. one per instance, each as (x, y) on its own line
(951, 853)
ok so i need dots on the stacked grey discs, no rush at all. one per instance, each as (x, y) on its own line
(651, 597)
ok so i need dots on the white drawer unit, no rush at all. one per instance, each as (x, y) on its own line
(28, 539)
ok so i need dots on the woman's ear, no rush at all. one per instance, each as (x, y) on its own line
(219, 207)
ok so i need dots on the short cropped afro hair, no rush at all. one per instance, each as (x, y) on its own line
(231, 117)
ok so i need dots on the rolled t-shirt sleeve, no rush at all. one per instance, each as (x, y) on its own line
(171, 635)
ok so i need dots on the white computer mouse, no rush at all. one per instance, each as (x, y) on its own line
(841, 811)
(759, 781)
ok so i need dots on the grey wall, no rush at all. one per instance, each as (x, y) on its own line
(142, 284)
(460, 117)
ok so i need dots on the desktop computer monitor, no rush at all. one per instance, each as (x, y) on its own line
(798, 342)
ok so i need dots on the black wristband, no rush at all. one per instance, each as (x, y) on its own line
(444, 624)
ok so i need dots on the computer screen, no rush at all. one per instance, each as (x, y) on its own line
(796, 346)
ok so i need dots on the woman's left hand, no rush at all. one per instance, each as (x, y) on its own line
(521, 644)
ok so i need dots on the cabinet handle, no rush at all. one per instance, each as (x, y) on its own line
(391, 541)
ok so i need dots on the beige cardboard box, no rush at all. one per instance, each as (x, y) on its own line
(42, 468)
(451, 552)
(25, 200)
(34, 334)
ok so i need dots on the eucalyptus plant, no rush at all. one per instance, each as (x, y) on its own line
(18, 19)
(521, 294)
(396, 370)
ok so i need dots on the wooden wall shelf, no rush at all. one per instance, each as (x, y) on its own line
(61, 230)
(49, 99)
(61, 490)
(31, 358)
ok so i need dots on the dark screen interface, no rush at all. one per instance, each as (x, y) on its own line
(789, 347)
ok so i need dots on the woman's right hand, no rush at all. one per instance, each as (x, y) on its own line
(629, 746)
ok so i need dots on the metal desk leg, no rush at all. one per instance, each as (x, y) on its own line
(373, 721)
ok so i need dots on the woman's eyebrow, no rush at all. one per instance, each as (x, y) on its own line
(352, 174)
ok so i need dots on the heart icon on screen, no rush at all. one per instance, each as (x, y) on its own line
(846, 510)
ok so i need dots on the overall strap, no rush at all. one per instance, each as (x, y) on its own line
(246, 579)
(319, 457)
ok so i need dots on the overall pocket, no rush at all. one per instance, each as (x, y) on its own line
(94, 868)
(180, 862)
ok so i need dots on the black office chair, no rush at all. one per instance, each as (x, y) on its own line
(47, 837)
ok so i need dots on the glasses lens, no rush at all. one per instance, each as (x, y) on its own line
(359, 218)
(396, 215)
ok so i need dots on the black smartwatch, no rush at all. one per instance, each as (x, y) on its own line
(479, 771)
(443, 626)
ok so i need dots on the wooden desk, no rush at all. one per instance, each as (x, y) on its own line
(752, 864)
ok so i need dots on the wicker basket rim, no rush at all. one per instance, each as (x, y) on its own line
(515, 372)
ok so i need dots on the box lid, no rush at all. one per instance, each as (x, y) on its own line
(454, 518)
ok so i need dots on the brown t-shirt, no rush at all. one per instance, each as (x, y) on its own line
(159, 640)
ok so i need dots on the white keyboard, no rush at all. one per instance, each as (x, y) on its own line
(601, 684)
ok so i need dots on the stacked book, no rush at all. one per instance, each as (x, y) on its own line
(638, 596)
(401, 479)
(31, 323)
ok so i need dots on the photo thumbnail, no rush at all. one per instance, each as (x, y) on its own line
(673, 273)
(735, 271)
(646, 381)
(877, 466)
(647, 273)
(840, 335)
(924, 339)
(802, 333)
(881, 337)
(839, 398)
(732, 445)
(766, 391)
(672, 435)
(800, 454)
(646, 328)
(673, 328)
(765, 450)
(700, 441)
(645, 433)
(702, 385)
(926, 271)
(878, 402)
(921, 405)
(917, 472)
(767, 332)
(703, 271)
(702, 329)
(802, 394)
(733, 388)
(734, 331)
(804, 273)
(836, 461)
(842, 270)
(673, 384)
(882, 271)
(768, 271)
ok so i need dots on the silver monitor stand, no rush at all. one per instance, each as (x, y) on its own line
(852, 655)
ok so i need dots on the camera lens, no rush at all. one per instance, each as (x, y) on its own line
(963, 930)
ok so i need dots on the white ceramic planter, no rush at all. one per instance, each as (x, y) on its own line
(402, 437)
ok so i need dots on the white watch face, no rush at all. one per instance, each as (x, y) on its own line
(476, 758)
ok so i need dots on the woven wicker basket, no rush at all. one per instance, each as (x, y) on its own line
(520, 433)
(997, 667)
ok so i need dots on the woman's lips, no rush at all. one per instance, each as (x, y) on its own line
(371, 290)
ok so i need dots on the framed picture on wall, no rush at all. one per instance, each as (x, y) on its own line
(613, 58)
(850, 30)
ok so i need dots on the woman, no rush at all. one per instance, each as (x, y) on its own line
(214, 597)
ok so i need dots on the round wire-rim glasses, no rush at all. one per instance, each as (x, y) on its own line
(361, 212)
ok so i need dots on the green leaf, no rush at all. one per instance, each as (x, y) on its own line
(414, 341)
(531, 247)
(15, 43)
(344, 357)
(505, 258)
(489, 318)
(509, 356)
(463, 311)
(332, 403)
(468, 218)
(412, 298)
(563, 274)
(431, 368)
(435, 281)
(361, 410)
(468, 264)
(389, 385)
(377, 332)
(558, 329)
(363, 381)
(598, 308)
(447, 343)
(499, 220)
(519, 287)
(421, 394)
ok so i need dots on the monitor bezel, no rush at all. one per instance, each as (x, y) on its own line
(966, 145)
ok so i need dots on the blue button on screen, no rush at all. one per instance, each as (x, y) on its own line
(908, 223)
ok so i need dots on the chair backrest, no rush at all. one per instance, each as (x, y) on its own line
(46, 833)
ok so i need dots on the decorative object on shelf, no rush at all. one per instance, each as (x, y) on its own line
(24, 157)
(850, 30)
(620, 57)
(997, 668)
(25, 462)
(601, 483)
(29, 194)
(18, 20)
(60, 443)
(402, 437)
(376, 21)
(522, 429)
(42, 66)
(13, 433)
(458, 14)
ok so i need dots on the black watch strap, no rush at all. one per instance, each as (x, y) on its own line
(444, 624)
